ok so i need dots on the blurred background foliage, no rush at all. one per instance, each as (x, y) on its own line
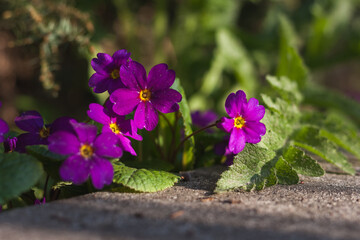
(215, 47)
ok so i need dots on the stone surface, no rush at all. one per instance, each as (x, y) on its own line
(319, 208)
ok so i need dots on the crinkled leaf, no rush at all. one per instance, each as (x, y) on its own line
(249, 170)
(309, 138)
(143, 180)
(18, 173)
(285, 173)
(188, 156)
(286, 88)
(302, 163)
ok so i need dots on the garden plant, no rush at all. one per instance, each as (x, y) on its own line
(145, 128)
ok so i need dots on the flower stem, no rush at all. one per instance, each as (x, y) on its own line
(191, 135)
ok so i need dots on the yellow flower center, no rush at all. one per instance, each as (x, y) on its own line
(145, 95)
(86, 151)
(44, 132)
(114, 127)
(239, 122)
(115, 74)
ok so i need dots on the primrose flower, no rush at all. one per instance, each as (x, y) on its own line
(222, 149)
(87, 154)
(146, 95)
(10, 144)
(37, 132)
(243, 124)
(4, 128)
(203, 119)
(116, 125)
(38, 202)
(106, 76)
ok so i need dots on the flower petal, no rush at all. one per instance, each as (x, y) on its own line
(133, 75)
(106, 145)
(146, 116)
(166, 100)
(102, 172)
(30, 121)
(103, 63)
(254, 111)
(85, 132)
(75, 169)
(4, 128)
(120, 57)
(62, 124)
(125, 144)
(125, 100)
(234, 104)
(226, 124)
(99, 83)
(257, 127)
(97, 113)
(160, 77)
(63, 143)
(237, 140)
(128, 128)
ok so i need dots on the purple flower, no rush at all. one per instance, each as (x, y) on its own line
(87, 154)
(38, 202)
(37, 131)
(107, 77)
(222, 149)
(203, 119)
(116, 125)
(243, 126)
(146, 95)
(4, 128)
(10, 144)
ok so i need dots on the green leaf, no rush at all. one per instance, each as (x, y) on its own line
(143, 180)
(285, 173)
(329, 99)
(18, 173)
(302, 163)
(286, 88)
(290, 63)
(51, 161)
(188, 156)
(249, 170)
(310, 139)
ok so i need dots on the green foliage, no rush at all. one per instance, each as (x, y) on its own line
(143, 180)
(290, 63)
(18, 173)
(187, 161)
(51, 161)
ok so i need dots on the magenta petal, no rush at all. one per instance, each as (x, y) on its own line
(62, 124)
(226, 124)
(133, 76)
(30, 121)
(102, 172)
(160, 77)
(99, 82)
(85, 132)
(237, 140)
(106, 145)
(97, 113)
(120, 57)
(63, 143)
(4, 128)
(257, 127)
(165, 100)
(146, 116)
(235, 103)
(255, 112)
(125, 144)
(75, 169)
(125, 100)
(251, 136)
(103, 63)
